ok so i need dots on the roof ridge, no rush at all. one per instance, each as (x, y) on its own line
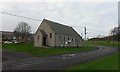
(56, 23)
(7, 31)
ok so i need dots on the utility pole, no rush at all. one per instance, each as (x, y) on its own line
(85, 32)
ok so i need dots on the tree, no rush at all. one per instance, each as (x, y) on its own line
(22, 31)
(115, 33)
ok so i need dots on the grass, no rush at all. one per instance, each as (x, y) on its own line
(103, 43)
(105, 63)
(30, 49)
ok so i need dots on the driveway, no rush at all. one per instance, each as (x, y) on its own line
(58, 62)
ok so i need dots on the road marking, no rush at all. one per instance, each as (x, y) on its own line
(28, 62)
(100, 48)
(68, 56)
(33, 63)
(63, 57)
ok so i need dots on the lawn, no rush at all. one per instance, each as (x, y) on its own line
(30, 49)
(103, 43)
(105, 63)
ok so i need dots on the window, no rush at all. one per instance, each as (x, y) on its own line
(68, 38)
(3, 36)
(38, 37)
(59, 37)
(64, 38)
(75, 40)
(72, 39)
(50, 35)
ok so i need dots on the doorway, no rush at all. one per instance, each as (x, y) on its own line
(44, 41)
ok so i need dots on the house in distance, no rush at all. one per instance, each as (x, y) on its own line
(53, 34)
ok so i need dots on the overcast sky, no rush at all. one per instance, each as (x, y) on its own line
(98, 17)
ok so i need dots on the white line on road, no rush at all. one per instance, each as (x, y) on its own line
(33, 63)
(68, 56)
(28, 62)
(63, 57)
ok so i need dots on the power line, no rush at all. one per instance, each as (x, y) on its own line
(87, 28)
(20, 16)
(40, 20)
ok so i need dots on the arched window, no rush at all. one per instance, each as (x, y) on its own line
(38, 37)
(50, 35)
(64, 38)
(68, 38)
(72, 39)
(59, 37)
(75, 40)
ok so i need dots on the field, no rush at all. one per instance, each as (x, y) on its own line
(31, 50)
(105, 63)
(103, 43)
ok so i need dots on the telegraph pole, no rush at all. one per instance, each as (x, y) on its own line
(85, 32)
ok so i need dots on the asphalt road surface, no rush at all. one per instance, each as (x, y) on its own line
(58, 62)
(12, 55)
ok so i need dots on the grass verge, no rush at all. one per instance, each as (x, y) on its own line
(105, 63)
(30, 49)
(103, 43)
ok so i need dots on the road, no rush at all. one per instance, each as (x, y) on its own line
(58, 62)
(14, 55)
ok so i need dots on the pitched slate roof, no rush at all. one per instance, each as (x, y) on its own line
(62, 29)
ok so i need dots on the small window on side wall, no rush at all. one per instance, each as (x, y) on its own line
(50, 35)
(59, 37)
(75, 40)
(68, 38)
(72, 39)
(64, 38)
(38, 37)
